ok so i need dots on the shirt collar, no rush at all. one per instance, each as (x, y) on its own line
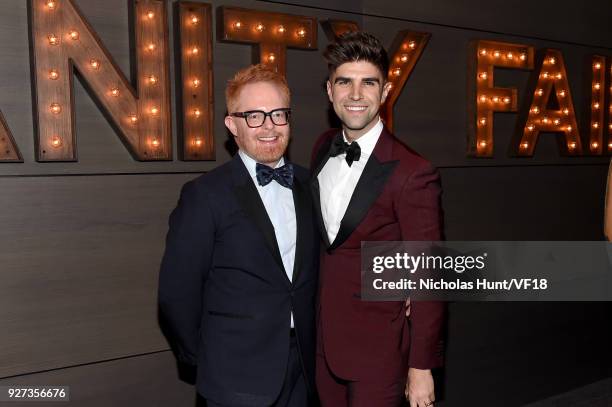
(251, 164)
(367, 142)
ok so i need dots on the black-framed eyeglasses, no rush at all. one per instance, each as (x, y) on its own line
(256, 118)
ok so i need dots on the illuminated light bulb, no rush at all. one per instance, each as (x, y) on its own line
(51, 4)
(572, 145)
(496, 54)
(610, 126)
(237, 25)
(397, 72)
(523, 57)
(154, 110)
(610, 144)
(152, 79)
(558, 75)
(133, 118)
(195, 83)
(566, 111)
(568, 128)
(594, 145)
(412, 45)
(483, 52)
(545, 120)
(94, 63)
(195, 51)
(197, 142)
(271, 58)
(495, 99)
(150, 15)
(482, 121)
(56, 141)
(55, 108)
(482, 144)
(552, 60)
(301, 33)
(597, 85)
(197, 112)
(595, 125)
(53, 40)
(562, 93)
(540, 92)
(74, 35)
(483, 75)
(524, 145)
(596, 105)
(155, 142)
(151, 47)
(597, 65)
(507, 100)
(259, 27)
(510, 55)
(557, 121)
(280, 29)
(483, 98)
(545, 75)
(194, 20)
(530, 127)
(404, 58)
(53, 74)
(535, 110)
(115, 92)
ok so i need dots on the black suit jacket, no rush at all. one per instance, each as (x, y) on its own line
(225, 299)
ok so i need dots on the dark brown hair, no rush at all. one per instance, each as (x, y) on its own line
(356, 46)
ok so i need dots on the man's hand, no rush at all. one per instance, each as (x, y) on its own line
(408, 307)
(420, 388)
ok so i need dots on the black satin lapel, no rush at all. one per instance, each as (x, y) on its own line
(314, 187)
(369, 187)
(321, 158)
(319, 163)
(302, 206)
(252, 205)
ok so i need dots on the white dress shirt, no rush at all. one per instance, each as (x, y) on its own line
(278, 201)
(337, 181)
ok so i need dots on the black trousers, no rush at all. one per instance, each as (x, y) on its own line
(294, 392)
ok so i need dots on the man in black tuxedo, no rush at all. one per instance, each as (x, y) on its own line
(239, 274)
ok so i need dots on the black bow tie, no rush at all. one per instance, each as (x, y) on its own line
(339, 146)
(283, 175)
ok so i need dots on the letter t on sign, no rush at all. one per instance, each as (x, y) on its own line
(273, 32)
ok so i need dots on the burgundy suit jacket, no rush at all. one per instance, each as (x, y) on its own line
(396, 198)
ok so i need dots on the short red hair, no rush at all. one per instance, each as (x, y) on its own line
(253, 74)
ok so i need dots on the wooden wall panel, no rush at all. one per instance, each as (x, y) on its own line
(146, 380)
(576, 22)
(79, 264)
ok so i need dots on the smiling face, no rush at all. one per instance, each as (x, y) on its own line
(265, 144)
(356, 90)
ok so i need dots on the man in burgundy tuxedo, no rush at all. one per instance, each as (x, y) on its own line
(370, 187)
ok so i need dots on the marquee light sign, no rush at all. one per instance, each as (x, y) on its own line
(551, 108)
(196, 78)
(64, 43)
(8, 149)
(485, 98)
(271, 33)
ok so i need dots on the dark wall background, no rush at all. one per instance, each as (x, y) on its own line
(80, 243)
